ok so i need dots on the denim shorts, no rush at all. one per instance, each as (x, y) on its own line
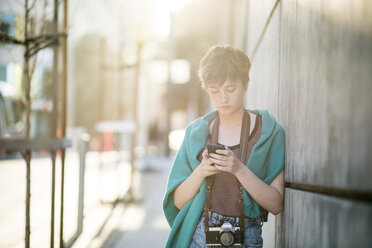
(252, 231)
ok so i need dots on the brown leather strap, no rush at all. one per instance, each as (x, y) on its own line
(244, 139)
(210, 179)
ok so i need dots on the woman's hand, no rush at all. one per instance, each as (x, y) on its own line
(206, 167)
(191, 186)
(226, 160)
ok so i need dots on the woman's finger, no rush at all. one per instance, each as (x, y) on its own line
(223, 152)
(227, 148)
(219, 157)
(219, 162)
(221, 168)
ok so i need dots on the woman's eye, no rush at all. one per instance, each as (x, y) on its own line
(231, 89)
(214, 91)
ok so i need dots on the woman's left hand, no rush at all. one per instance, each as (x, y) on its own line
(225, 160)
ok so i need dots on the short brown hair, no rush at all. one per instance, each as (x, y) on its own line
(224, 62)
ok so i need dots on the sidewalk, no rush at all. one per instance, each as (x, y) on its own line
(139, 224)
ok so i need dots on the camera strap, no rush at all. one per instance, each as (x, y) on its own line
(242, 155)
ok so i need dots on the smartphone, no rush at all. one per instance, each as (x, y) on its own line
(212, 148)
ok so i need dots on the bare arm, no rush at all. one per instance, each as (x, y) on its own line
(270, 197)
(188, 188)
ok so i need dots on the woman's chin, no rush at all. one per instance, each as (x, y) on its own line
(228, 111)
(225, 111)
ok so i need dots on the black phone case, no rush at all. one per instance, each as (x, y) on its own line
(212, 148)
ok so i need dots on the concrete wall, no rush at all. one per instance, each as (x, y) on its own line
(313, 71)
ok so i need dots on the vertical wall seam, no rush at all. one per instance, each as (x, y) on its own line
(258, 43)
(279, 61)
(277, 237)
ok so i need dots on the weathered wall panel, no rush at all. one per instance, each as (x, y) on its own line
(314, 220)
(318, 85)
(313, 72)
(264, 75)
(326, 91)
(258, 13)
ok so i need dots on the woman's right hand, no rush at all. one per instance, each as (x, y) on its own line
(206, 167)
(191, 186)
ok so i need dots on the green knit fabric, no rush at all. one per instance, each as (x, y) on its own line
(266, 161)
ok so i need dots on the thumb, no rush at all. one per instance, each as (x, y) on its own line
(205, 154)
(228, 149)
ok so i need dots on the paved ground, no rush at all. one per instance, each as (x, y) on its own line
(140, 224)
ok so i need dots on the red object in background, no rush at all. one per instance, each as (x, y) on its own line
(108, 141)
(43, 153)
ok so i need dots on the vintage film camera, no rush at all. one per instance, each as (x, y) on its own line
(226, 235)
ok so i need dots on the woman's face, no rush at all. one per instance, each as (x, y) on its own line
(227, 98)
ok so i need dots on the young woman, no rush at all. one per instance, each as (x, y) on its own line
(237, 185)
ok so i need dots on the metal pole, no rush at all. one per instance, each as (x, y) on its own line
(64, 72)
(53, 129)
(54, 122)
(53, 157)
(83, 147)
(63, 114)
(61, 242)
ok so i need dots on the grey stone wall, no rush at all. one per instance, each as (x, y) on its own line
(313, 71)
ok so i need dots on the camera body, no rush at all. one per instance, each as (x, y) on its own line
(226, 235)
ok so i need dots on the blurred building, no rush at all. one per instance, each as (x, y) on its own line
(11, 71)
(103, 56)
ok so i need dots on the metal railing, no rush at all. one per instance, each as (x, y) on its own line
(83, 148)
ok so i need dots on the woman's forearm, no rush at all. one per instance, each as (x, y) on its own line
(188, 188)
(267, 196)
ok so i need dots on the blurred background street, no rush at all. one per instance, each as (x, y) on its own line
(95, 96)
(106, 223)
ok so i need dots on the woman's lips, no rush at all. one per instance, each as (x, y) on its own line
(225, 107)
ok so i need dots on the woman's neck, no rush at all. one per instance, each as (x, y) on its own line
(232, 120)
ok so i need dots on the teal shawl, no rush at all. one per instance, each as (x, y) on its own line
(266, 161)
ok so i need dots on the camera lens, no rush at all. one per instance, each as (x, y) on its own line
(227, 239)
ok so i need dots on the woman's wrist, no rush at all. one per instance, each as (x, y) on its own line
(239, 168)
(199, 173)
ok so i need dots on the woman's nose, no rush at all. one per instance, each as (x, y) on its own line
(224, 96)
